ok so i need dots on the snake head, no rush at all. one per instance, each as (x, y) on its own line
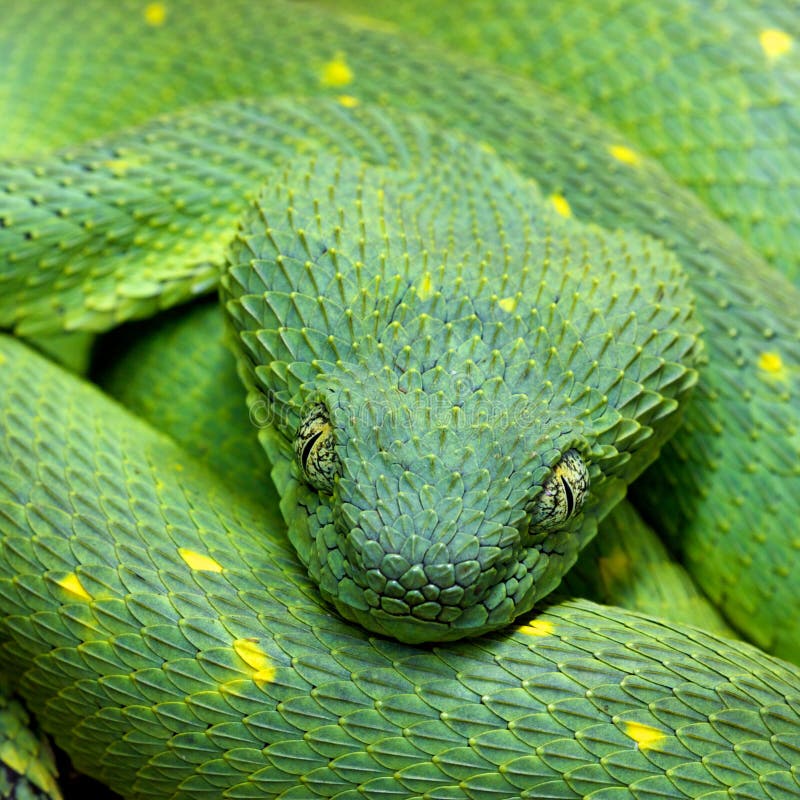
(449, 362)
(428, 520)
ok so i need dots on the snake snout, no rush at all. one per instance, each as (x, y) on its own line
(437, 585)
(419, 587)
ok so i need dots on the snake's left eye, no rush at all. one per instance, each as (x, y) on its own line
(563, 493)
(314, 447)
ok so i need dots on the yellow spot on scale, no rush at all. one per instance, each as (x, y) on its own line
(775, 43)
(425, 287)
(155, 14)
(538, 627)
(118, 166)
(508, 304)
(624, 154)
(2, 359)
(256, 658)
(347, 100)
(336, 72)
(561, 205)
(645, 736)
(771, 364)
(72, 583)
(199, 561)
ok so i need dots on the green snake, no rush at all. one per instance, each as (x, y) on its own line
(468, 310)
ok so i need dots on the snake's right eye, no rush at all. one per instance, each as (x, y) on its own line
(314, 447)
(563, 494)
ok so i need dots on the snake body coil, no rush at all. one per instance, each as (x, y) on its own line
(467, 314)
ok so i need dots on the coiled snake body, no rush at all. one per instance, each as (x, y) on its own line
(467, 314)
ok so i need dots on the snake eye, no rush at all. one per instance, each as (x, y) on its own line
(314, 446)
(563, 493)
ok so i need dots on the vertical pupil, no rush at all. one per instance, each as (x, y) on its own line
(307, 449)
(568, 494)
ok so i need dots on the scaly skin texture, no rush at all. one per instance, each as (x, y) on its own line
(461, 337)
(154, 617)
(199, 405)
(177, 374)
(627, 565)
(169, 639)
(169, 197)
(27, 767)
(710, 90)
